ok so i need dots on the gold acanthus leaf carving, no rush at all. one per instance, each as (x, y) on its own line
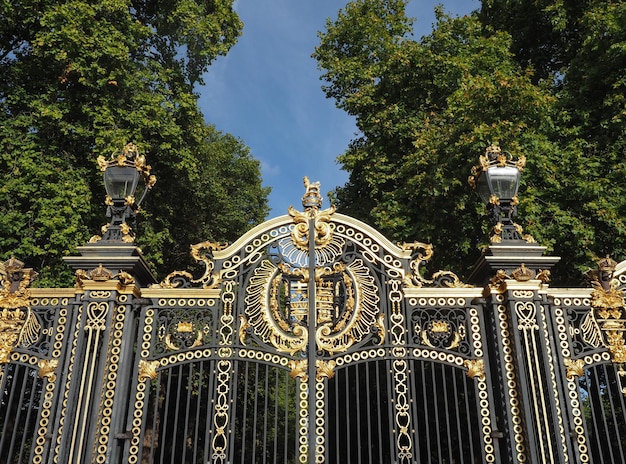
(298, 369)
(575, 367)
(147, 370)
(475, 368)
(324, 369)
(47, 368)
(244, 326)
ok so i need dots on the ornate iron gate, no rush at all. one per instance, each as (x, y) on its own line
(312, 339)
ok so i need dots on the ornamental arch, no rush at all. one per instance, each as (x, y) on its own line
(312, 339)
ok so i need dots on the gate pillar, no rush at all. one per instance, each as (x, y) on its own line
(531, 418)
(95, 386)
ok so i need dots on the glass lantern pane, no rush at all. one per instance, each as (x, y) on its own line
(504, 181)
(482, 188)
(120, 181)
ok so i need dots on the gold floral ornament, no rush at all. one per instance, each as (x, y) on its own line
(18, 325)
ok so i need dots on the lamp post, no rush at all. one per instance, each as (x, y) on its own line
(496, 180)
(126, 178)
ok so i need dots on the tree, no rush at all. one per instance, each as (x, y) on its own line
(589, 79)
(81, 79)
(426, 109)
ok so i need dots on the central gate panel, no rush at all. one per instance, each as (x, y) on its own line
(310, 339)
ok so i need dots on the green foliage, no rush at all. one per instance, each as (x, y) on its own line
(427, 109)
(82, 79)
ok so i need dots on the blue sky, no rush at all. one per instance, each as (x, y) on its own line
(267, 92)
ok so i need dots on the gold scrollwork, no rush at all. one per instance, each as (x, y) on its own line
(338, 325)
(605, 323)
(312, 201)
(183, 329)
(437, 332)
(421, 253)
(18, 325)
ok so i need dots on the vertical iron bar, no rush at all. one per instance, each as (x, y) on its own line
(275, 447)
(244, 422)
(154, 439)
(163, 429)
(210, 411)
(592, 408)
(380, 410)
(197, 419)
(433, 368)
(266, 411)
(185, 427)
(368, 409)
(255, 410)
(32, 407)
(415, 411)
(287, 428)
(176, 412)
(348, 419)
(312, 348)
(610, 391)
(357, 388)
(468, 417)
(606, 433)
(13, 433)
(620, 395)
(393, 449)
(446, 408)
(276, 397)
(337, 437)
(457, 416)
(426, 414)
(231, 429)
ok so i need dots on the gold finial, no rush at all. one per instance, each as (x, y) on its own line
(312, 197)
(607, 264)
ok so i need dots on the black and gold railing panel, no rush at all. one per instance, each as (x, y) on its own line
(33, 336)
(311, 339)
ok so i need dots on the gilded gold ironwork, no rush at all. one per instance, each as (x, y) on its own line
(299, 369)
(441, 334)
(420, 254)
(100, 274)
(325, 369)
(147, 370)
(47, 369)
(15, 281)
(184, 332)
(338, 326)
(312, 201)
(575, 367)
(605, 322)
(522, 273)
(18, 325)
(475, 368)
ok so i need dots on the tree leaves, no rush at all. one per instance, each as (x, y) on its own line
(81, 79)
(427, 109)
